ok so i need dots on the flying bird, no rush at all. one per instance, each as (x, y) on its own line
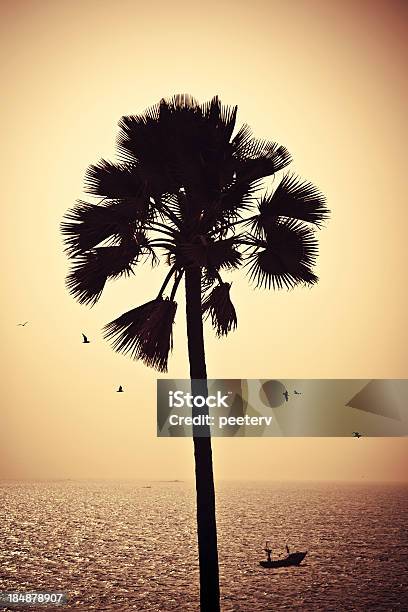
(286, 394)
(356, 434)
(85, 339)
(22, 324)
(297, 392)
(120, 390)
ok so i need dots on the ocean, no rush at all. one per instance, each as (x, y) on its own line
(130, 545)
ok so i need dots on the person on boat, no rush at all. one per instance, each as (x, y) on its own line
(268, 552)
(287, 549)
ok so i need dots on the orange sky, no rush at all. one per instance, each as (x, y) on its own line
(327, 80)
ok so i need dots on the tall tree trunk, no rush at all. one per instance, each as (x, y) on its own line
(206, 523)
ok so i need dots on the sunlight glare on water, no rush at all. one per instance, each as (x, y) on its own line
(131, 545)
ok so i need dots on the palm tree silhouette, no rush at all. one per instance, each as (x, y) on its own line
(184, 189)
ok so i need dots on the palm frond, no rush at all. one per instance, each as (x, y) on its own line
(134, 130)
(208, 277)
(181, 143)
(115, 181)
(285, 257)
(212, 254)
(145, 141)
(274, 158)
(172, 202)
(145, 332)
(238, 198)
(86, 225)
(257, 157)
(222, 117)
(219, 307)
(180, 102)
(294, 198)
(150, 138)
(90, 271)
(222, 254)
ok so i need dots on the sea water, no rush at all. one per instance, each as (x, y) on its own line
(131, 545)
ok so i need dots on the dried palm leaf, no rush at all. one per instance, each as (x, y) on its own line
(219, 307)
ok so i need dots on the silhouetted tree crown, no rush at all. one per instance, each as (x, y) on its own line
(186, 189)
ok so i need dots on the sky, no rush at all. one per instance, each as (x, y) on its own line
(325, 79)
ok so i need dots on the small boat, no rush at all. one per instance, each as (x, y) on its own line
(295, 558)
